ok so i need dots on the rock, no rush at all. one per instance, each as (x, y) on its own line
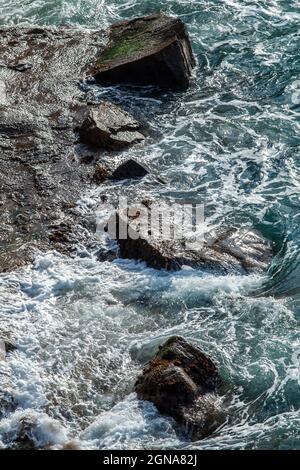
(40, 107)
(228, 250)
(2, 350)
(30, 430)
(24, 439)
(108, 126)
(183, 382)
(87, 159)
(71, 445)
(18, 67)
(129, 169)
(60, 233)
(7, 401)
(100, 174)
(59, 236)
(152, 50)
(6, 347)
(22, 67)
(106, 255)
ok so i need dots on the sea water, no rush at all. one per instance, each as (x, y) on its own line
(84, 329)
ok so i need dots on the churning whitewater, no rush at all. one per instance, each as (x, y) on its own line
(84, 329)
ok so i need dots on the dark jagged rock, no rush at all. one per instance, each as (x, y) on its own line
(129, 169)
(229, 250)
(6, 347)
(108, 126)
(153, 50)
(24, 439)
(183, 383)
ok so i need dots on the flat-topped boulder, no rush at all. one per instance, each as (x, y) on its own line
(109, 126)
(183, 382)
(152, 50)
(226, 250)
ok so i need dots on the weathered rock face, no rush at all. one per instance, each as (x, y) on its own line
(153, 50)
(41, 106)
(108, 126)
(182, 382)
(129, 169)
(41, 177)
(226, 251)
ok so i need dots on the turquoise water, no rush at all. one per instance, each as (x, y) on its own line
(84, 329)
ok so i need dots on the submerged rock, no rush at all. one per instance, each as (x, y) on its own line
(108, 126)
(183, 383)
(129, 169)
(228, 250)
(153, 50)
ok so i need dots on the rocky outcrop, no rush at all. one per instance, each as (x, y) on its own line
(153, 50)
(41, 177)
(228, 250)
(42, 106)
(183, 382)
(108, 126)
(129, 169)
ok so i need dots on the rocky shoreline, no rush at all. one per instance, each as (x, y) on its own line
(47, 125)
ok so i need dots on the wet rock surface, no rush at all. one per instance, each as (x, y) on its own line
(42, 106)
(228, 250)
(27, 432)
(108, 126)
(41, 176)
(6, 347)
(101, 173)
(153, 50)
(24, 439)
(183, 383)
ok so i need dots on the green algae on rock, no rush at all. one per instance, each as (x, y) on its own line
(152, 50)
(183, 382)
